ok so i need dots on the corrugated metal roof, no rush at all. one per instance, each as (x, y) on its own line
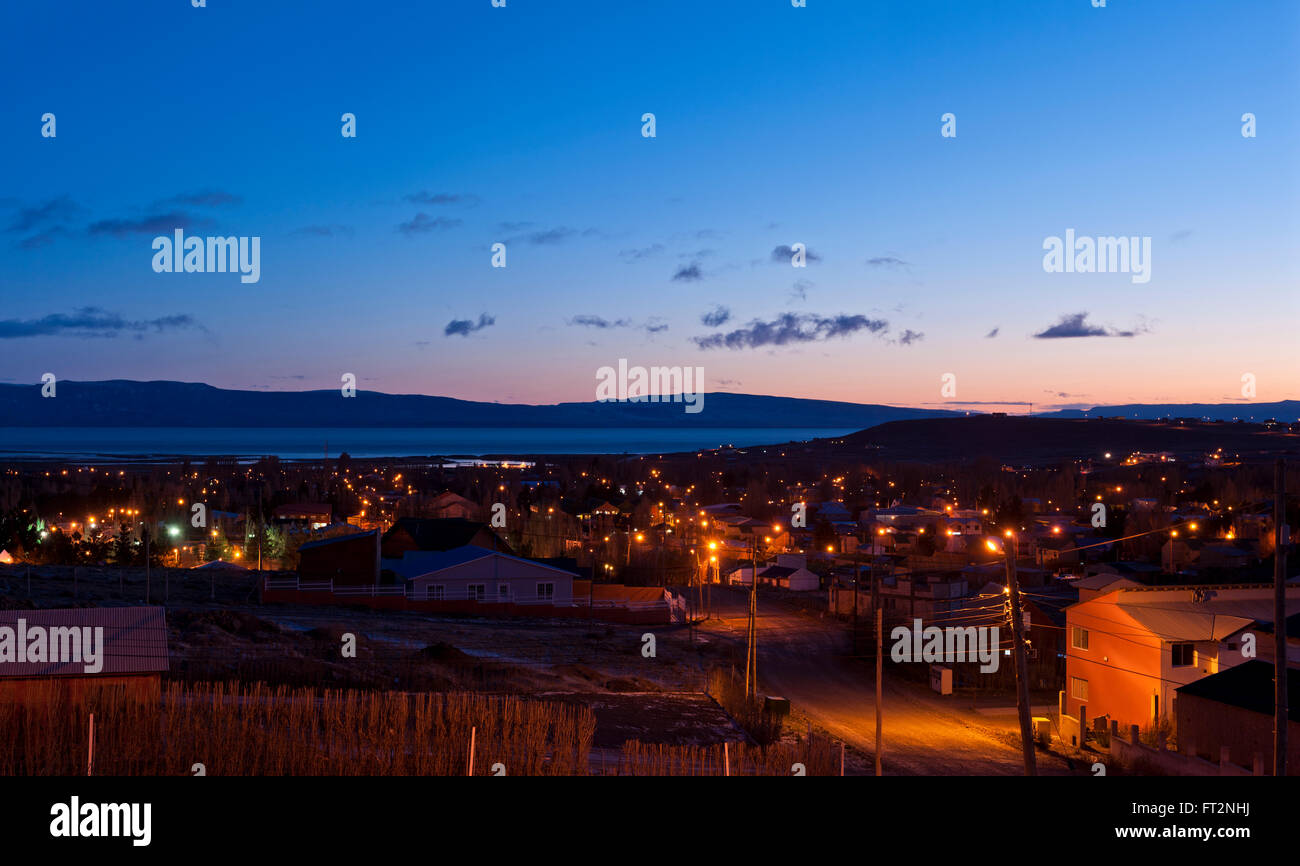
(133, 641)
(425, 563)
(1186, 625)
(337, 539)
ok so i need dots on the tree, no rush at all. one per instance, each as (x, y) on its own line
(217, 547)
(823, 534)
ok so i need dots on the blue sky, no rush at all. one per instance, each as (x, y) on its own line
(775, 125)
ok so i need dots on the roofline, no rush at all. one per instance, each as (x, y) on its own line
(487, 552)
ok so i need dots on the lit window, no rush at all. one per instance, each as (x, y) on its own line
(1079, 638)
(1079, 688)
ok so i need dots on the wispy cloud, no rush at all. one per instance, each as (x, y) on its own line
(636, 255)
(422, 223)
(993, 333)
(324, 231)
(442, 198)
(908, 337)
(43, 238)
(154, 224)
(791, 328)
(1077, 325)
(588, 321)
(552, 236)
(891, 262)
(784, 253)
(716, 317)
(55, 210)
(689, 273)
(91, 322)
(654, 325)
(203, 198)
(465, 327)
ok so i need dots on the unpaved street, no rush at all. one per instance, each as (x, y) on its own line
(803, 657)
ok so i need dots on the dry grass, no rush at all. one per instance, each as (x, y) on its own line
(257, 730)
(729, 691)
(820, 757)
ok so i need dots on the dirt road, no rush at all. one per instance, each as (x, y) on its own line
(804, 657)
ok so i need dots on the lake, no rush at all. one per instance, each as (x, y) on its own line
(293, 443)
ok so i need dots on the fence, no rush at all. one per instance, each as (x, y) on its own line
(1135, 754)
(474, 601)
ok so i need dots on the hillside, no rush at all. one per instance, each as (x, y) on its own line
(1028, 440)
(122, 403)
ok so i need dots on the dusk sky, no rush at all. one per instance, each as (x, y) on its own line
(774, 126)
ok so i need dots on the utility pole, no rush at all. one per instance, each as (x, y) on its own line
(261, 528)
(147, 575)
(751, 656)
(699, 577)
(880, 696)
(709, 596)
(857, 581)
(1280, 541)
(1022, 670)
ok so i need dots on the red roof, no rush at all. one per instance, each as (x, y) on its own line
(133, 640)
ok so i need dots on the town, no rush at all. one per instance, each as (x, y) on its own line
(774, 579)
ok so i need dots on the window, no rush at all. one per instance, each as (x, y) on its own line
(1078, 688)
(503, 592)
(1184, 654)
(476, 591)
(545, 591)
(1079, 638)
(435, 592)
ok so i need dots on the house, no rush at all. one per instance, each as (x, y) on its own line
(1233, 710)
(448, 504)
(424, 533)
(1100, 584)
(832, 512)
(477, 574)
(1129, 650)
(1223, 556)
(1041, 626)
(72, 653)
(313, 515)
(789, 572)
(346, 560)
(914, 594)
(644, 605)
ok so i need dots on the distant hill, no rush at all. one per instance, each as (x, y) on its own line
(1020, 439)
(1283, 410)
(123, 403)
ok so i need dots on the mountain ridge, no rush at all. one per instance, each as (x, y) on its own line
(164, 403)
